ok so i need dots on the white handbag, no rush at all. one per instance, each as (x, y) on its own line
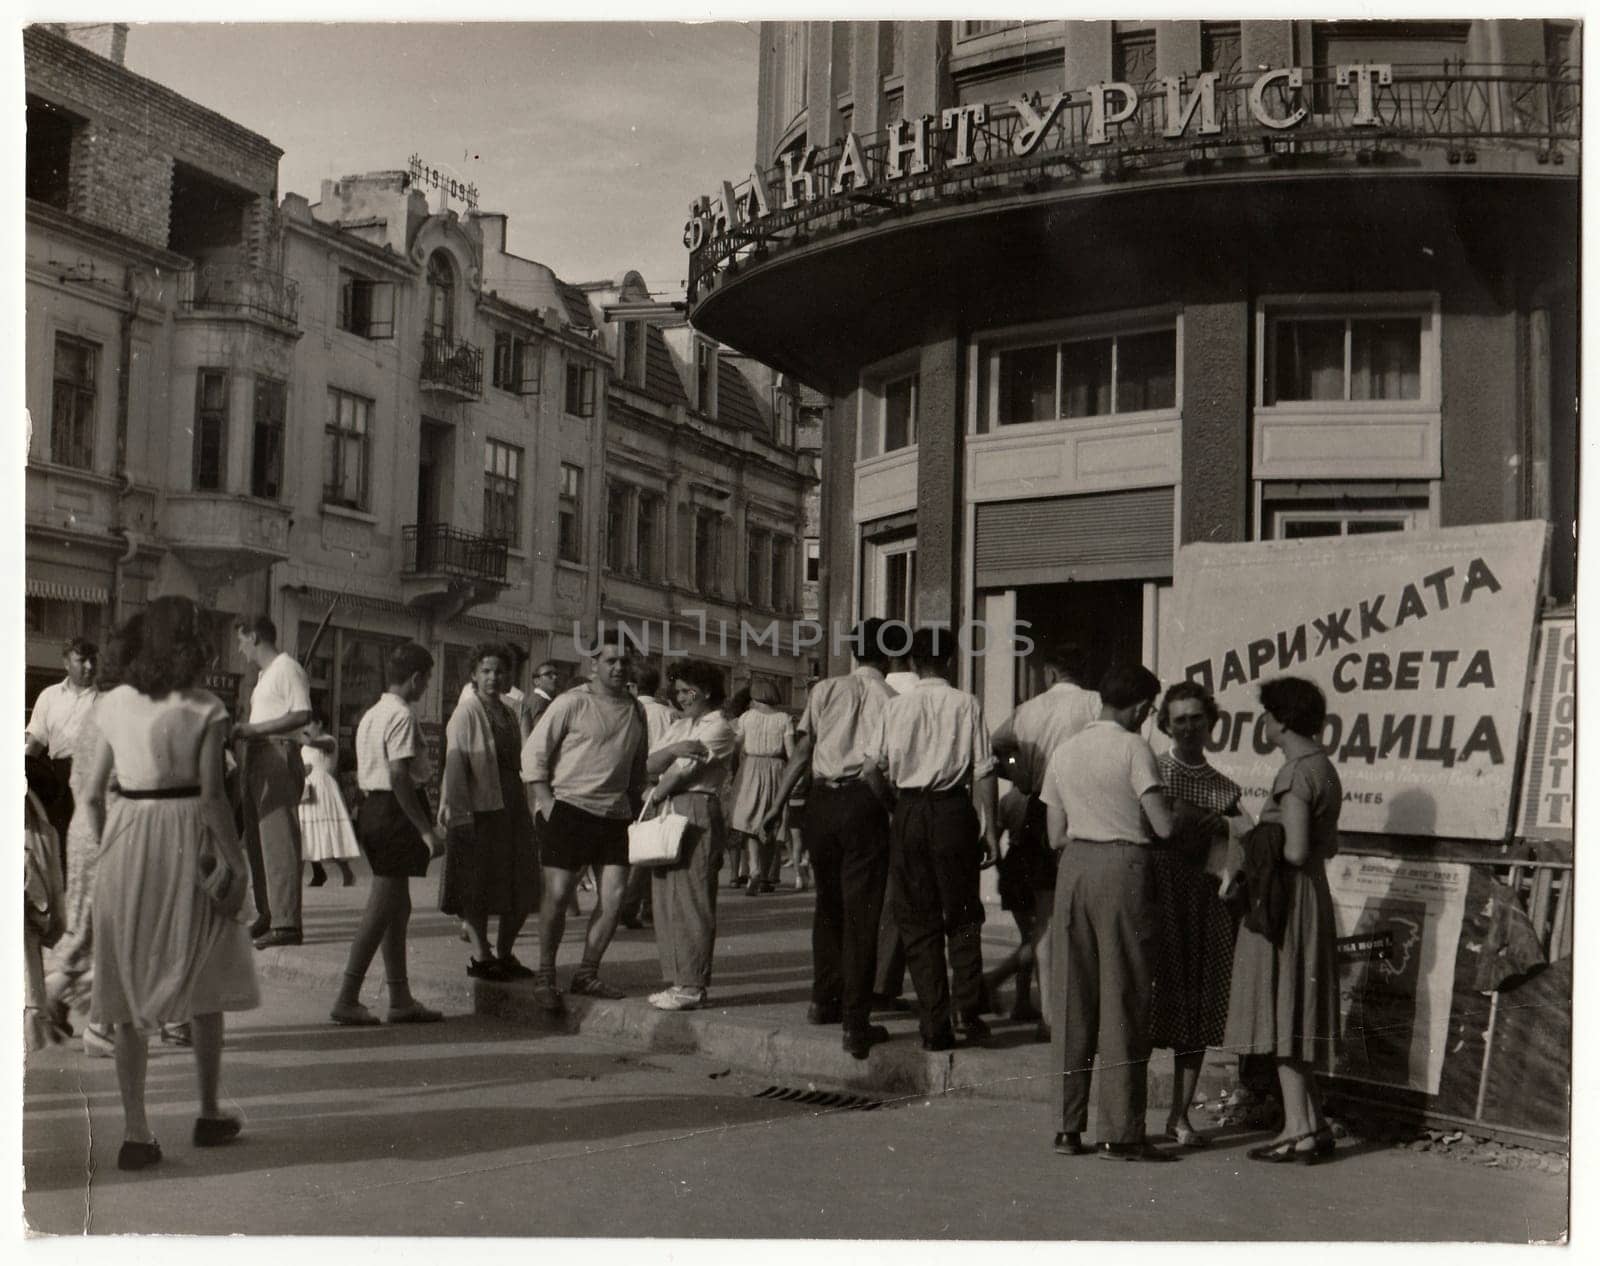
(657, 842)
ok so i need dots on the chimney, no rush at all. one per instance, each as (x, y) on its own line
(108, 39)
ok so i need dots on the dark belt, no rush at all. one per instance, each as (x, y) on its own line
(161, 793)
(922, 793)
(837, 784)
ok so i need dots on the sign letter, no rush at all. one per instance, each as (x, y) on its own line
(1365, 117)
(1098, 118)
(964, 118)
(1293, 78)
(1178, 114)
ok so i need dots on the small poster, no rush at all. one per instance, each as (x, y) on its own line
(1398, 925)
(1548, 768)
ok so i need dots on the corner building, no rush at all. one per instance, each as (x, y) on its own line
(1082, 292)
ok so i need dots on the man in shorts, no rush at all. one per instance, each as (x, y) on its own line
(584, 765)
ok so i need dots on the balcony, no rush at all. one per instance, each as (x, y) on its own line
(221, 535)
(445, 570)
(454, 368)
(240, 290)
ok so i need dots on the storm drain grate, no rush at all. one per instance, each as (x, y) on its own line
(819, 1098)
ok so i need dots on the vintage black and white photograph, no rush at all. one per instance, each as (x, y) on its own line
(791, 629)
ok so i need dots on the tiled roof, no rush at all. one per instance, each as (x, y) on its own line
(736, 403)
(577, 305)
(660, 373)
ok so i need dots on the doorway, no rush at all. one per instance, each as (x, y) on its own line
(1104, 618)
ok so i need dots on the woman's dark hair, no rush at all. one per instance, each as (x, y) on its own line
(763, 691)
(120, 651)
(493, 650)
(704, 677)
(1297, 704)
(1187, 690)
(648, 679)
(171, 653)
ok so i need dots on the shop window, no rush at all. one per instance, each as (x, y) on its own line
(72, 402)
(267, 437)
(366, 307)
(1131, 372)
(569, 515)
(502, 493)
(647, 535)
(516, 364)
(347, 450)
(60, 620)
(579, 400)
(1318, 358)
(210, 472)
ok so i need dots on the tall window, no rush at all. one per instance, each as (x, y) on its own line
(516, 364)
(366, 307)
(1318, 358)
(1133, 57)
(707, 565)
(269, 418)
(755, 567)
(441, 296)
(502, 492)
(1220, 49)
(580, 390)
(705, 378)
(897, 581)
(210, 430)
(617, 496)
(1087, 377)
(900, 414)
(72, 402)
(347, 445)
(780, 599)
(813, 560)
(569, 515)
(647, 535)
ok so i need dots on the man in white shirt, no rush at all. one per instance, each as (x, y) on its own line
(58, 715)
(271, 778)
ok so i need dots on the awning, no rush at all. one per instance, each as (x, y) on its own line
(65, 591)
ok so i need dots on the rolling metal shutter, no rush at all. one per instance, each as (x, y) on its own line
(1106, 536)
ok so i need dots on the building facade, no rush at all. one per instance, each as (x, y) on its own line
(1082, 292)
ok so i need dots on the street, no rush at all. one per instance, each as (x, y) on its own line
(483, 1127)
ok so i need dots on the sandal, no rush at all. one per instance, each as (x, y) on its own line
(1284, 1153)
(1185, 1135)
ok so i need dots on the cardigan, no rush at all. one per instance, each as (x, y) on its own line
(469, 733)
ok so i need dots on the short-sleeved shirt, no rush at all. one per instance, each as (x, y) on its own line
(657, 719)
(1314, 779)
(902, 683)
(715, 731)
(587, 746)
(931, 739)
(388, 731)
(58, 715)
(1042, 724)
(282, 688)
(1096, 778)
(839, 712)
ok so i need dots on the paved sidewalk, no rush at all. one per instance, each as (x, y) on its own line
(755, 1019)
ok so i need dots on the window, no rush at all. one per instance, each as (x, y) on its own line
(569, 521)
(72, 402)
(900, 414)
(632, 336)
(647, 536)
(1133, 57)
(50, 133)
(1220, 49)
(210, 430)
(794, 69)
(785, 413)
(813, 560)
(781, 599)
(617, 497)
(346, 450)
(1086, 378)
(890, 575)
(705, 378)
(266, 442)
(366, 307)
(707, 565)
(441, 296)
(580, 389)
(502, 492)
(1320, 358)
(755, 567)
(516, 364)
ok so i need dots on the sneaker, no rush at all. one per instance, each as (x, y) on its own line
(514, 969)
(590, 985)
(99, 1043)
(546, 994)
(678, 998)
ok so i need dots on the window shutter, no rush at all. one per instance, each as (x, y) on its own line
(346, 303)
(381, 318)
(1105, 536)
(588, 392)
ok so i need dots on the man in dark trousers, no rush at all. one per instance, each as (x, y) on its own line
(932, 747)
(846, 832)
(1104, 782)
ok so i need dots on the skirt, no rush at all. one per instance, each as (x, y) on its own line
(493, 868)
(1284, 1000)
(1193, 961)
(755, 793)
(162, 953)
(325, 831)
(393, 847)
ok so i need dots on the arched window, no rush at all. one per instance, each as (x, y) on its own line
(441, 296)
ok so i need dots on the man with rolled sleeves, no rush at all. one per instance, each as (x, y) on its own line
(846, 832)
(932, 748)
(1104, 783)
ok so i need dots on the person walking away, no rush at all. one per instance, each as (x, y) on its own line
(397, 835)
(889, 974)
(1026, 740)
(932, 747)
(325, 831)
(1283, 998)
(766, 741)
(271, 777)
(53, 727)
(691, 765)
(584, 766)
(637, 909)
(490, 864)
(1195, 933)
(1104, 783)
(846, 829)
(163, 952)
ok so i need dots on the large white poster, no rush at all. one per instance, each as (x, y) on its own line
(1398, 927)
(1420, 640)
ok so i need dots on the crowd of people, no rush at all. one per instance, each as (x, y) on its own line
(1151, 910)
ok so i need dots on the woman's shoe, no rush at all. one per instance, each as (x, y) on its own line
(138, 1155)
(1283, 1153)
(678, 998)
(215, 1131)
(753, 888)
(1321, 1148)
(355, 1015)
(416, 1013)
(318, 877)
(486, 969)
(1185, 1135)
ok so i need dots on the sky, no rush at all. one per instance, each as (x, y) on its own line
(593, 138)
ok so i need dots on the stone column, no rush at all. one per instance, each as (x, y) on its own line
(927, 68)
(1087, 54)
(866, 77)
(1215, 461)
(1177, 48)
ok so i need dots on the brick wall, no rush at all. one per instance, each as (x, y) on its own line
(121, 180)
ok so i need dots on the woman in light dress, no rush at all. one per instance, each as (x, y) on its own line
(766, 741)
(325, 831)
(163, 953)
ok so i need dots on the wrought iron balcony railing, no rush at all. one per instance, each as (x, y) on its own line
(241, 289)
(454, 366)
(1460, 110)
(436, 549)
